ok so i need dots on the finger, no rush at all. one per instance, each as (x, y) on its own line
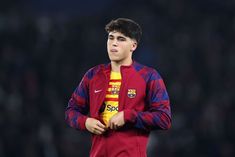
(100, 125)
(97, 132)
(99, 129)
(115, 127)
(111, 125)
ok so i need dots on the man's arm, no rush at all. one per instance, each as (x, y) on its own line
(78, 106)
(158, 115)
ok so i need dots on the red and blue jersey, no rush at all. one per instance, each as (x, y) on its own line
(142, 97)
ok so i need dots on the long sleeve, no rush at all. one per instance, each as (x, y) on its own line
(78, 106)
(158, 114)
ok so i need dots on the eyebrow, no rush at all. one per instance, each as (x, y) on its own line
(118, 37)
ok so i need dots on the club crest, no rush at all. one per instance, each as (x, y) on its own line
(115, 90)
(131, 93)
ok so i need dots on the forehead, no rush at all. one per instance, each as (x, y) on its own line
(115, 33)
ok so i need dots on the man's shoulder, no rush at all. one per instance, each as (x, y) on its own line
(95, 69)
(143, 68)
(146, 72)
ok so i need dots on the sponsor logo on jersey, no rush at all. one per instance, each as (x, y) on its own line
(97, 91)
(112, 108)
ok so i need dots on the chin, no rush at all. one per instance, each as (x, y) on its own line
(114, 59)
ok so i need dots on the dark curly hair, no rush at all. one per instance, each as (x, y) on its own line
(125, 26)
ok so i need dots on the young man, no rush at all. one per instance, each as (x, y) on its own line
(125, 100)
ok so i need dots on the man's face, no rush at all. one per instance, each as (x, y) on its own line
(120, 47)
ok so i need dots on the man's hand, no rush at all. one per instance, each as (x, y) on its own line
(95, 126)
(117, 121)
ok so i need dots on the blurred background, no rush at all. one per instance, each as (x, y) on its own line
(47, 46)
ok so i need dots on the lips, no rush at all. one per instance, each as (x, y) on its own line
(114, 50)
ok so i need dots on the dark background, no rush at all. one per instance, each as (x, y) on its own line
(46, 47)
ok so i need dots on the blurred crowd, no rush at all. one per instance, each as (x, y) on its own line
(44, 54)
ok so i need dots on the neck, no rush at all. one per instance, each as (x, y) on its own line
(116, 66)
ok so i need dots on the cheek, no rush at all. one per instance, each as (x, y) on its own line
(125, 51)
(128, 48)
(108, 45)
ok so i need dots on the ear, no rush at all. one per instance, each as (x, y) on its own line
(134, 46)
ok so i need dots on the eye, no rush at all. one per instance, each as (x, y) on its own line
(121, 39)
(110, 37)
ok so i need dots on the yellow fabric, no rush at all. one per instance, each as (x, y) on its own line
(111, 98)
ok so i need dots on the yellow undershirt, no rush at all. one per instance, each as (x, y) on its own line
(111, 98)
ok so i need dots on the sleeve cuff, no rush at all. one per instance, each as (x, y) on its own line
(82, 122)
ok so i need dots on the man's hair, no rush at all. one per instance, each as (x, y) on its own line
(125, 26)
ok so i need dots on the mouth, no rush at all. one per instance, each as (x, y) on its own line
(113, 50)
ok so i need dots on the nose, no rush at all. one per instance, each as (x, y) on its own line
(114, 43)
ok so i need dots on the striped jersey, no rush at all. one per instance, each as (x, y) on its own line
(111, 97)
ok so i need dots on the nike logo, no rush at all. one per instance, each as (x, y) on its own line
(97, 91)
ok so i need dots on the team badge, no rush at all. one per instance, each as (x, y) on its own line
(115, 89)
(131, 93)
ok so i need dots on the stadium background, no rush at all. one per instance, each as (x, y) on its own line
(47, 46)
